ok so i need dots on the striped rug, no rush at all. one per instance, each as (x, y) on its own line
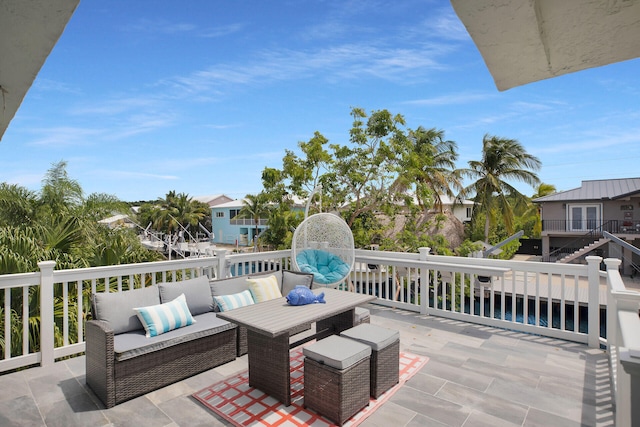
(235, 401)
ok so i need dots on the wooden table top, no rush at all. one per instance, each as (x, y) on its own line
(276, 316)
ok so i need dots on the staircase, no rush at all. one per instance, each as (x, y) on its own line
(583, 251)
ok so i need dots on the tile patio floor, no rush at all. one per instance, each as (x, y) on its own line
(476, 376)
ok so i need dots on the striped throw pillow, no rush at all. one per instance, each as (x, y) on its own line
(264, 288)
(161, 318)
(229, 302)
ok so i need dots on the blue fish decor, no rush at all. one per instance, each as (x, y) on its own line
(301, 295)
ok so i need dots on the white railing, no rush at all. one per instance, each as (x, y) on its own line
(48, 308)
(623, 339)
(482, 291)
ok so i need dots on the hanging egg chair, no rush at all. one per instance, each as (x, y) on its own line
(323, 245)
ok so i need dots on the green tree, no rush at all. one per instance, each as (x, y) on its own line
(428, 166)
(502, 159)
(255, 207)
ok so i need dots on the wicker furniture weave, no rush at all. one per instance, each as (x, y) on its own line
(337, 394)
(117, 381)
(270, 324)
(385, 355)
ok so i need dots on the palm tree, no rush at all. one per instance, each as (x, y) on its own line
(255, 207)
(428, 162)
(502, 159)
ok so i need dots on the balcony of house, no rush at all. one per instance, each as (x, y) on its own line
(561, 227)
(248, 222)
(508, 342)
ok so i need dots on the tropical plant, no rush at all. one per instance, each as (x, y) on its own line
(428, 166)
(502, 159)
(255, 207)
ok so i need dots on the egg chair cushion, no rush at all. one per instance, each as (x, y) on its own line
(326, 267)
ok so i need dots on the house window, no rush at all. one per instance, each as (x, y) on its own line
(219, 214)
(233, 213)
(468, 212)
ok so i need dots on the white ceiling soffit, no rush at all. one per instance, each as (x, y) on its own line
(523, 41)
(28, 31)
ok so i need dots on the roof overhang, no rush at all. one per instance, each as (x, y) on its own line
(524, 41)
(29, 29)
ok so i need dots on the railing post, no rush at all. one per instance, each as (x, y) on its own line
(424, 281)
(46, 313)
(221, 256)
(594, 301)
(631, 365)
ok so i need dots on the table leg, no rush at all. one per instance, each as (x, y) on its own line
(269, 365)
(335, 324)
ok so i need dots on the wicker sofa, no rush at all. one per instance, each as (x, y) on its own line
(123, 363)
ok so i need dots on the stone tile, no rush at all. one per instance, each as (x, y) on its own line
(538, 418)
(536, 398)
(55, 387)
(421, 421)
(481, 419)
(458, 375)
(498, 371)
(432, 407)
(389, 414)
(139, 412)
(479, 402)
(186, 411)
(13, 385)
(78, 410)
(482, 353)
(426, 383)
(20, 412)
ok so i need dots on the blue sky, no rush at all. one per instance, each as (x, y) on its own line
(144, 97)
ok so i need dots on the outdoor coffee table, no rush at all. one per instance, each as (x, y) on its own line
(269, 324)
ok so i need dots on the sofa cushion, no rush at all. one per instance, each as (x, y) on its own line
(135, 343)
(231, 285)
(196, 291)
(117, 308)
(161, 318)
(229, 302)
(264, 288)
(291, 279)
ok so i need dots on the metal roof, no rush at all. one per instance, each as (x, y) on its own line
(602, 189)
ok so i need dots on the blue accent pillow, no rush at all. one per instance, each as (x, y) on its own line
(161, 318)
(229, 302)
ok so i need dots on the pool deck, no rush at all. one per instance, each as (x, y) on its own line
(476, 376)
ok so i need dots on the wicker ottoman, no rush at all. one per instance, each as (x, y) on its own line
(336, 377)
(385, 354)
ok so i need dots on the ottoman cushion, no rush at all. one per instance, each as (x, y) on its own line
(337, 352)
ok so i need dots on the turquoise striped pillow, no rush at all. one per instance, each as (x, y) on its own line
(161, 318)
(229, 302)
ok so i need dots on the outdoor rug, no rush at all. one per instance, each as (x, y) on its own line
(241, 405)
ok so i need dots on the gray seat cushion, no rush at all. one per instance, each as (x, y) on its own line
(132, 344)
(117, 308)
(375, 336)
(337, 352)
(196, 291)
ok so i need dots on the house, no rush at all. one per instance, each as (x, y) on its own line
(214, 199)
(577, 218)
(460, 209)
(231, 230)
